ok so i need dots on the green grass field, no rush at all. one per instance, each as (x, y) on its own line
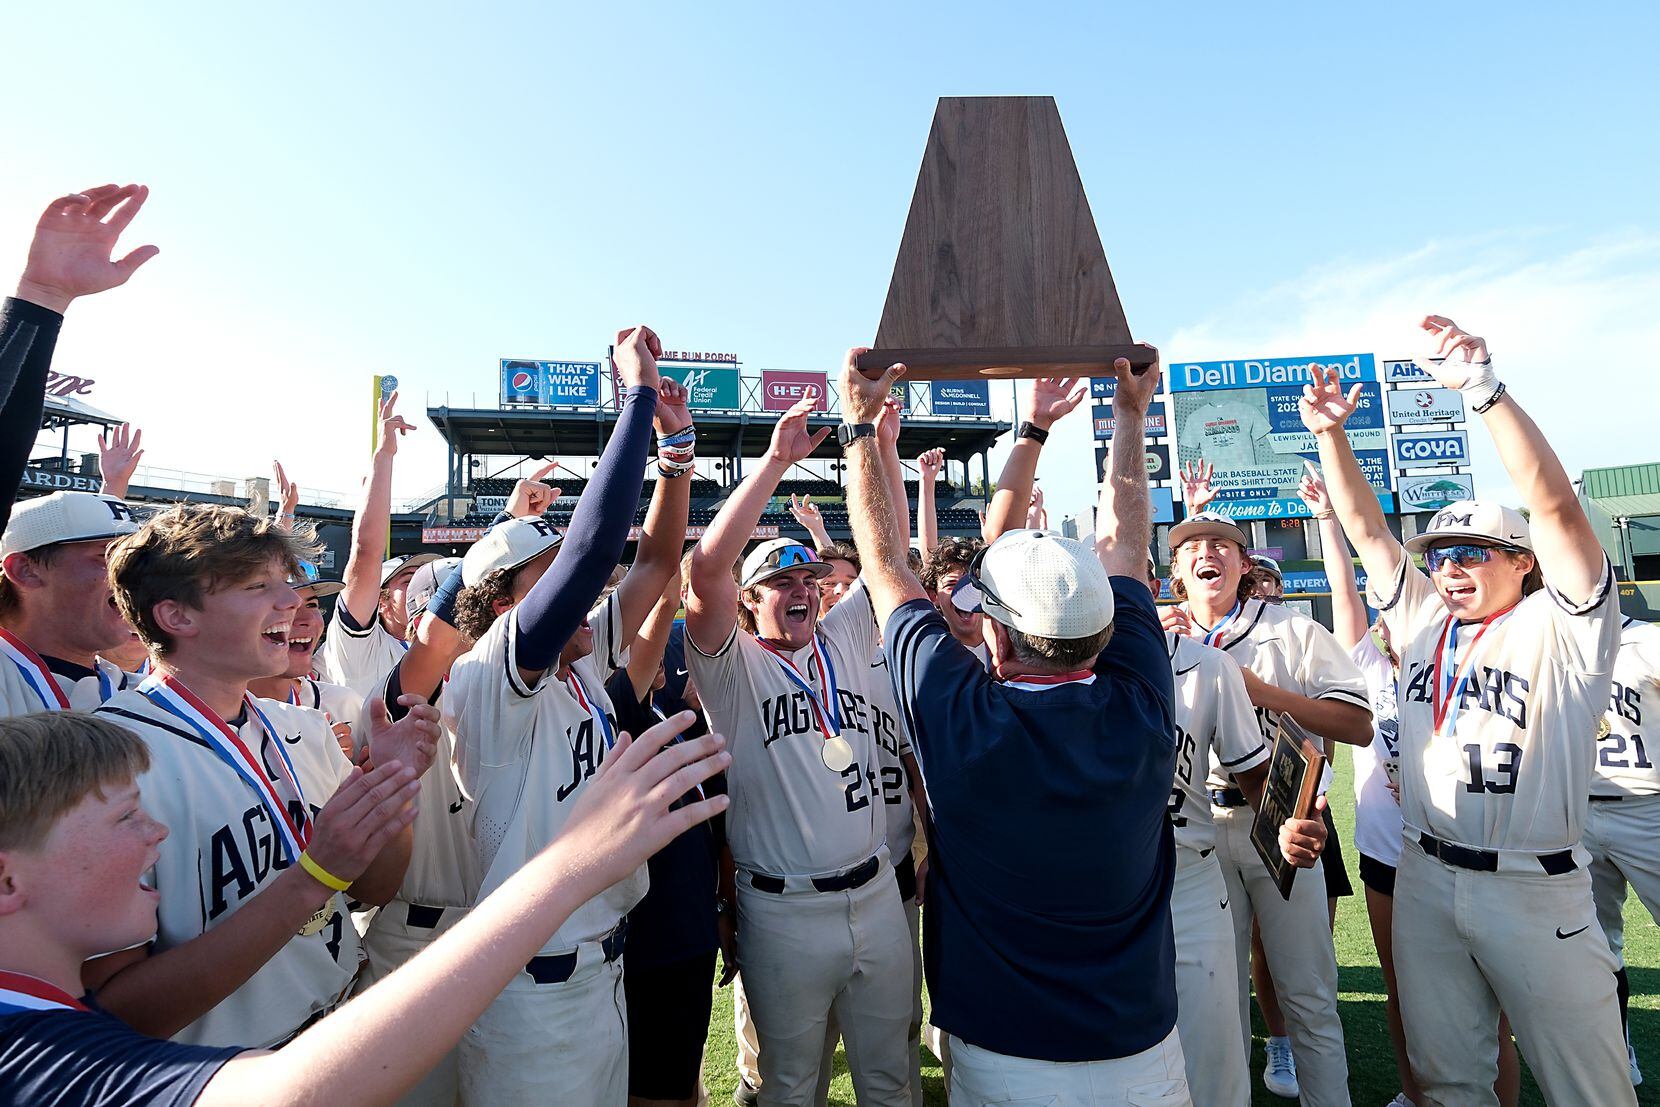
(1372, 1077)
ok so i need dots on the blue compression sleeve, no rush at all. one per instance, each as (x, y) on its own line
(560, 601)
(442, 604)
(28, 335)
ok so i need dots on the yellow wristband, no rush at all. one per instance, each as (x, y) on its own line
(322, 875)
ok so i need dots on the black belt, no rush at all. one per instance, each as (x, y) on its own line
(855, 877)
(1487, 861)
(1606, 799)
(1227, 797)
(905, 873)
(557, 968)
(425, 918)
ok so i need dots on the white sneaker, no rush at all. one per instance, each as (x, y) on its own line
(1631, 1058)
(1400, 1100)
(1279, 1075)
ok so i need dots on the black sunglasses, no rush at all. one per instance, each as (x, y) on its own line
(979, 583)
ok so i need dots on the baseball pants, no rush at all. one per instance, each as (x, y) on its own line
(743, 1028)
(552, 1043)
(913, 917)
(1207, 998)
(1623, 837)
(1297, 938)
(1469, 944)
(803, 954)
(1155, 1077)
(390, 941)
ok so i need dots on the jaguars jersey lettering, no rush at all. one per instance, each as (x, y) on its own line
(1514, 770)
(790, 814)
(1627, 746)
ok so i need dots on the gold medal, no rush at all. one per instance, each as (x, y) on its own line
(322, 918)
(1602, 727)
(838, 755)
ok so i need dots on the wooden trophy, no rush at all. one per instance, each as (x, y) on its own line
(1001, 271)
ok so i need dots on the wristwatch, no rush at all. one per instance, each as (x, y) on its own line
(849, 433)
(1033, 431)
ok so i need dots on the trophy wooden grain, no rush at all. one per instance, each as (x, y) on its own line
(1294, 769)
(1001, 272)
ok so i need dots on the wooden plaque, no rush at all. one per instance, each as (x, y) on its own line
(1294, 770)
(1001, 271)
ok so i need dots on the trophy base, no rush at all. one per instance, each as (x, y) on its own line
(1006, 363)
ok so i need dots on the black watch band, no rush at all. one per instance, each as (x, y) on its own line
(849, 433)
(1033, 431)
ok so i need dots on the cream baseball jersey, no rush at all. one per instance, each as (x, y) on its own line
(224, 847)
(30, 683)
(1625, 765)
(443, 867)
(359, 659)
(891, 746)
(1289, 651)
(525, 751)
(1498, 719)
(793, 813)
(1213, 716)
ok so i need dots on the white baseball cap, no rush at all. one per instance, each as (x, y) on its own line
(424, 584)
(1474, 520)
(1263, 561)
(392, 566)
(1038, 583)
(1207, 524)
(507, 545)
(66, 517)
(779, 555)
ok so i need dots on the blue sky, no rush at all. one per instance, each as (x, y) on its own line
(420, 189)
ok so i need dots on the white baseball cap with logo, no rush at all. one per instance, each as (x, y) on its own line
(1474, 521)
(392, 566)
(1207, 524)
(780, 555)
(424, 584)
(1038, 583)
(66, 517)
(507, 545)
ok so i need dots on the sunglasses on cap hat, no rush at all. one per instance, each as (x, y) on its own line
(1462, 555)
(787, 556)
(970, 593)
(306, 573)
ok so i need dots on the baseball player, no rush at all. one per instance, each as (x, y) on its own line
(56, 610)
(367, 632)
(1507, 641)
(270, 824)
(1290, 664)
(532, 725)
(1214, 718)
(297, 684)
(818, 924)
(1622, 825)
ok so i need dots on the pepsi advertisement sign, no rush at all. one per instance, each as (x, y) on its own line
(550, 383)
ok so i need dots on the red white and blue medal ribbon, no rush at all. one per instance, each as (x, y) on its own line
(178, 701)
(1215, 635)
(35, 673)
(1451, 678)
(837, 753)
(21, 994)
(601, 723)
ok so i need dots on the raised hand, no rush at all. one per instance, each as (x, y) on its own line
(887, 424)
(74, 245)
(1324, 405)
(1036, 517)
(362, 816)
(288, 493)
(672, 416)
(1052, 397)
(531, 498)
(1136, 387)
(1453, 351)
(865, 397)
(791, 439)
(1196, 489)
(392, 425)
(805, 512)
(635, 353)
(411, 741)
(931, 463)
(1313, 492)
(118, 456)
